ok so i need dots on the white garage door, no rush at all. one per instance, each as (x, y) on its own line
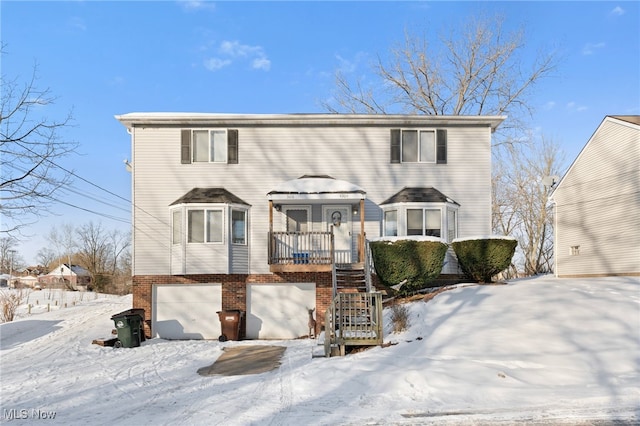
(279, 311)
(186, 311)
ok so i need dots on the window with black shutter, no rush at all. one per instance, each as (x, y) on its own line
(396, 146)
(232, 146)
(209, 146)
(441, 146)
(418, 146)
(185, 146)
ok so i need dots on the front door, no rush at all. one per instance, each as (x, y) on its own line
(340, 218)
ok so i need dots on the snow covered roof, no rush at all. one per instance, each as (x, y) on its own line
(134, 119)
(73, 270)
(316, 187)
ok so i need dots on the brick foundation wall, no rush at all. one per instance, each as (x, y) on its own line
(234, 289)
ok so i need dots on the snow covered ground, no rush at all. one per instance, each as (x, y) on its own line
(535, 351)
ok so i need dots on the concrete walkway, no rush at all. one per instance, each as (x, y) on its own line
(242, 360)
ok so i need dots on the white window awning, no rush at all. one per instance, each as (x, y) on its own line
(316, 188)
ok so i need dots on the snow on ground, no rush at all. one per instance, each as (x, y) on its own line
(535, 351)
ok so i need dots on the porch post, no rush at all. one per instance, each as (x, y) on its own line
(362, 236)
(270, 217)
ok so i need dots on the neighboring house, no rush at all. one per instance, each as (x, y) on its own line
(260, 213)
(596, 204)
(28, 280)
(73, 276)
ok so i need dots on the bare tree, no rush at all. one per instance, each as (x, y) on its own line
(119, 242)
(7, 253)
(46, 257)
(30, 146)
(94, 252)
(520, 199)
(475, 69)
(64, 240)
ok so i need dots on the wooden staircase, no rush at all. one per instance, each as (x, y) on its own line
(350, 278)
(354, 317)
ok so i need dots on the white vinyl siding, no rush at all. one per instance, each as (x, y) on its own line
(271, 155)
(597, 205)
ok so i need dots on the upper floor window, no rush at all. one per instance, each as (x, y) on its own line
(419, 146)
(209, 146)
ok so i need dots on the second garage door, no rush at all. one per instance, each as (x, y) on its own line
(279, 311)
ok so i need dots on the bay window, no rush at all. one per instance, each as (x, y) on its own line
(391, 223)
(239, 227)
(204, 226)
(426, 222)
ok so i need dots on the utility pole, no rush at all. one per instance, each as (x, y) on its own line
(11, 252)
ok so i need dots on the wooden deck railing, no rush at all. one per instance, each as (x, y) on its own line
(314, 248)
(353, 319)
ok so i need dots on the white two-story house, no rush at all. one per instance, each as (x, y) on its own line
(253, 212)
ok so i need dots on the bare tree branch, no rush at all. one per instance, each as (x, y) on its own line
(30, 146)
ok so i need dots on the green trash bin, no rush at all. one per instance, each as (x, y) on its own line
(129, 325)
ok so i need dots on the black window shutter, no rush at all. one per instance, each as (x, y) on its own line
(232, 146)
(441, 147)
(395, 145)
(185, 146)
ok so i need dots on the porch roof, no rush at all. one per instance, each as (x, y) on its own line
(316, 187)
(418, 195)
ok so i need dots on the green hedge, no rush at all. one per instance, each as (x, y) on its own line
(419, 262)
(481, 259)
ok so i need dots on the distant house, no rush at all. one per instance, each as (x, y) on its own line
(27, 280)
(269, 213)
(65, 275)
(597, 204)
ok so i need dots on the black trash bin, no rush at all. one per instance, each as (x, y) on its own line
(130, 327)
(230, 324)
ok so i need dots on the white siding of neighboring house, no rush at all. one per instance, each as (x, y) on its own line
(271, 155)
(597, 205)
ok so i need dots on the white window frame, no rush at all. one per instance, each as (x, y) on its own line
(419, 149)
(451, 237)
(206, 224)
(176, 226)
(424, 209)
(385, 223)
(304, 207)
(445, 210)
(212, 148)
(232, 231)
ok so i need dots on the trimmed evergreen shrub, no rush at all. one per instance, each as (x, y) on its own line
(419, 262)
(482, 258)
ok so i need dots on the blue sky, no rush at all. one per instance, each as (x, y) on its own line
(102, 59)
